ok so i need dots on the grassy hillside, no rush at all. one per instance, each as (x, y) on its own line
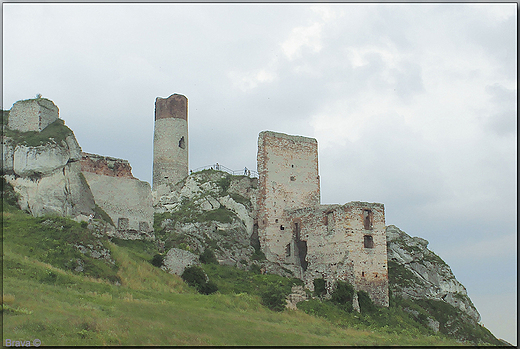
(131, 302)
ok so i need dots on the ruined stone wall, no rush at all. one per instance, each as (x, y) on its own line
(288, 179)
(363, 224)
(334, 242)
(318, 249)
(128, 201)
(170, 152)
(345, 242)
(32, 115)
(104, 165)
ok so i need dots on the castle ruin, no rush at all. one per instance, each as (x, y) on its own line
(334, 242)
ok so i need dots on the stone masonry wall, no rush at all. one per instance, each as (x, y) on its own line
(288, 179)
(128, 201)
(104, 165)
(345, 242)
(363, 226)
(32, 115)
(170, 152)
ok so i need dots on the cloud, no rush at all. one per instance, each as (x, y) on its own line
(499, 314)
(498, 246)
(250, 80)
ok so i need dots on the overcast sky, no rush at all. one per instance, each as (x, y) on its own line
(413, 105)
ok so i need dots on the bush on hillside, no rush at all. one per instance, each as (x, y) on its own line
(157, 260)
(366, 305)
(208, 288)
(208, 257)
(274, 298)
(255, 268)
(8, 193)
(195, 277)
(343, 294)
(319, 287)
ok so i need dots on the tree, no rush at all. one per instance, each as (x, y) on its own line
(274, 298)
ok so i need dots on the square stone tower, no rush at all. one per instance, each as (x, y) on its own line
(288, 179)
(170, 143)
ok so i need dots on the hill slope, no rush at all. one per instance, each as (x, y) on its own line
(143, 305)
(114, 296)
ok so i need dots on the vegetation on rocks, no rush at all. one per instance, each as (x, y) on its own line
(57, 131)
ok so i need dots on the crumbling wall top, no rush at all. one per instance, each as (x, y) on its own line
(105, 165)
(175, 106)
(265, 134)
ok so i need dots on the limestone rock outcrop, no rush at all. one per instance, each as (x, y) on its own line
(210, 209)
(176, 260)
(48, 177)
(43, 162)
(418, 273)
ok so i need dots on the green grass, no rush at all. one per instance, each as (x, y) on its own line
(93, 313)
(231, 280)
(44, 299)
(50, 239)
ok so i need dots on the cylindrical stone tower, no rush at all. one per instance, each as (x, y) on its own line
(170, 143)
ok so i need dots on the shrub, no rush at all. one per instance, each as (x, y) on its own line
(343, 294)
(274, 298)
(319, 287)
(208, 257)
(195, 277)
(256, 269)
(157, 260)
(365, 303)
(258, 255)
(8, 193)
(224, 183)
(208, 288)
(220, 214)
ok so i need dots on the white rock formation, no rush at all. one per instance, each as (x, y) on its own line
(48, 178)
(176, 260)
(430, 277)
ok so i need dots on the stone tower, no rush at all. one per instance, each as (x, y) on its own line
(334, 242)
(170, 143)
(288, 178)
